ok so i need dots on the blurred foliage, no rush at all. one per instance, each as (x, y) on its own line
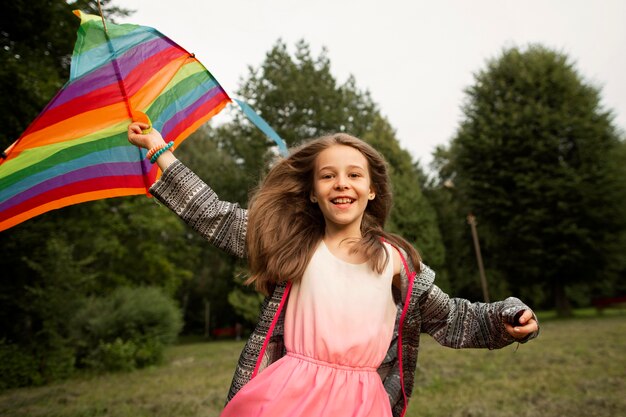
(125, 330)
(539, 162)
(22, 366)
(246, 303)
(18, 368)
(412, 216)
(213, 270)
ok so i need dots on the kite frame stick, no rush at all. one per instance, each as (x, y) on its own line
(116, 68)
(102, 16)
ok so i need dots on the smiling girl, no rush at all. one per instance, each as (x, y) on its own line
(338, 333)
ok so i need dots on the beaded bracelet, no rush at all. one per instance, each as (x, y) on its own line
(158, 153)
(154, 149)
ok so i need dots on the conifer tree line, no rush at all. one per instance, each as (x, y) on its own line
(537, 159)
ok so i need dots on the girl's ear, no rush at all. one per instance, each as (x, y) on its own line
(313, 198)
(371, 195)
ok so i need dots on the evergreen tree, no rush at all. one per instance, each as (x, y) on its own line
(533, 159)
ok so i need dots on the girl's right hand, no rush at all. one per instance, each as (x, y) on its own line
(150, 140)
(147, 141)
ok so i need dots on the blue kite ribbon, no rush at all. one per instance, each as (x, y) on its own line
(263, 126)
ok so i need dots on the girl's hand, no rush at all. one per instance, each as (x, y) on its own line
(149, 140)
(137, 138)
(526, 325)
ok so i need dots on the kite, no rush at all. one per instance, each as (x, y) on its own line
(77, 149)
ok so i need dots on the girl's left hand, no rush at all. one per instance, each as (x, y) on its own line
(527, 325)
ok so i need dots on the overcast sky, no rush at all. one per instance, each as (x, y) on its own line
(415, 57)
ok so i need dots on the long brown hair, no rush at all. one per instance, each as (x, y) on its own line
(285, 227)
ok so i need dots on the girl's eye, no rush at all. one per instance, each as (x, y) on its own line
(355, 175)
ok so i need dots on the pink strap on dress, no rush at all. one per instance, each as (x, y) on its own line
(271, 330)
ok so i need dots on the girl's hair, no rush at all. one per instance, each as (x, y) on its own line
(285, 227)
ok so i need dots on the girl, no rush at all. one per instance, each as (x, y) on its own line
(338, 333)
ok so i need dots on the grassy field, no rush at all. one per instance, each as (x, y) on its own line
(577, 367)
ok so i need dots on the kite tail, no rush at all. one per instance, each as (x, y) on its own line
(263, 126)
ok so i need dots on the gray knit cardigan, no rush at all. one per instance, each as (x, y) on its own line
(421, 305)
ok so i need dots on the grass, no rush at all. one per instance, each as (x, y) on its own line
(193, 382)
(577, 367)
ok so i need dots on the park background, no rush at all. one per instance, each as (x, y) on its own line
(535, 150)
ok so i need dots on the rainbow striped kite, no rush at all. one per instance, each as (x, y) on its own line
(77, 149)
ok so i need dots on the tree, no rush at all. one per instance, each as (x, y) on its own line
(301, 99)
(213, 270)
(533, 159)
(460, 267)
(412, 215)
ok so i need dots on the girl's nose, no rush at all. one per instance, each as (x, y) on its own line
(341, 183)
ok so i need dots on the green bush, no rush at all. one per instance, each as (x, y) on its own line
(56, 361)
(21, 367)
(17, 368)
(126, 330)
(116, 356)
(148, 353)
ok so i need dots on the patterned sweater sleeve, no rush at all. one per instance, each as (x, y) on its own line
(458, 323)
(222, 223)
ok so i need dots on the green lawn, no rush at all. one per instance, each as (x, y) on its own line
(577, 367)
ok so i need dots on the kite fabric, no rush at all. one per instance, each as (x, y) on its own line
(77, 149)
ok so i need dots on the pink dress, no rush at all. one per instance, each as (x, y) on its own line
(338, 327)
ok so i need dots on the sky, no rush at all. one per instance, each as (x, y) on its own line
(414, 57)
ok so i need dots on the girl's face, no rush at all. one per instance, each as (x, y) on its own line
(342, 188)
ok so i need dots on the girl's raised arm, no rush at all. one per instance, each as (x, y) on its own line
(458, 323)
(222, 223)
